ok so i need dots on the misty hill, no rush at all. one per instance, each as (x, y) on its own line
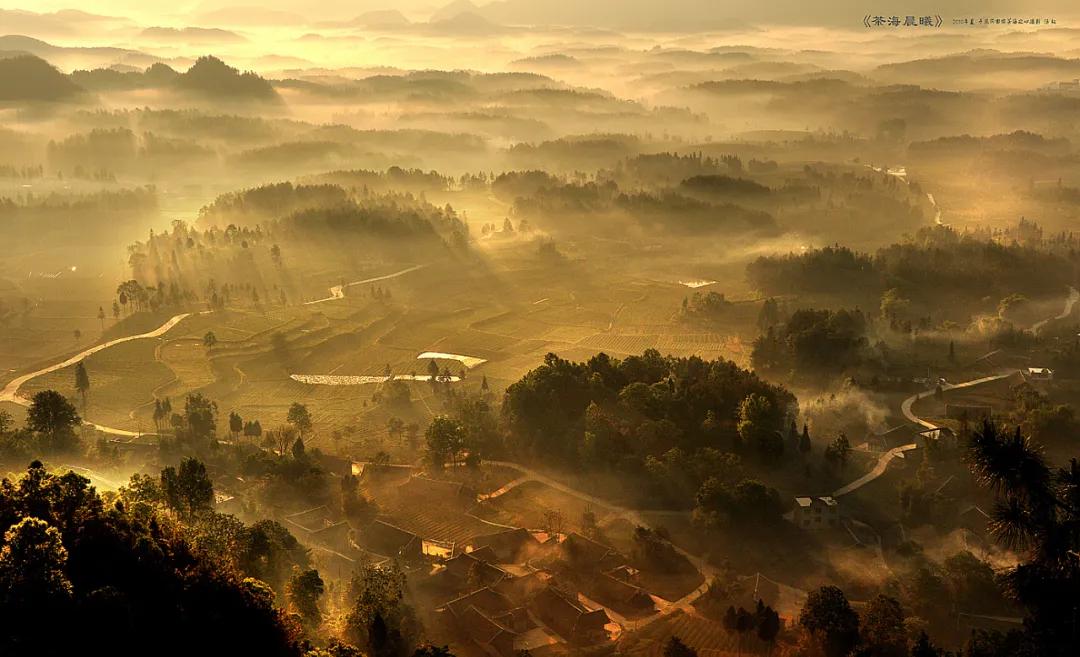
(332, 212)
(211, 77)
(25, 77)
(453, 10)
(192, 35)
(414, 86)
(967, 145)
(465, 24)
(979, 63)
(384, 18)
(21, 43)
(67, 22)
(556, 60)
(66, 57)
(119, 79)
(208, 77)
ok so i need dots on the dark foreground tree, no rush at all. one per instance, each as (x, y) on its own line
(1038, 516)
(676, 648)
(380, 620)
(883, 631)
(831, 621)
(305, 589)
(80, 577)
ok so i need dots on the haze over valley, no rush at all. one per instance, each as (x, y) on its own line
(539, 330)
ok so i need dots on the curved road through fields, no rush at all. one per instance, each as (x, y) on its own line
(1070, 302)
(338, 291)
(905, 407)
(630, 515)
(10, 393)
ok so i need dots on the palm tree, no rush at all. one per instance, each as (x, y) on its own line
(1037, 514)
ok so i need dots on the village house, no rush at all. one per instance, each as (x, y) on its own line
(585, 554)
(898, 436)
(943, 436)
(421, 487)
(523, 586)
(336, 465)
(509, 546)
(569, 618)
(320, 525)
(491, 636)
(621, 595)
(473, 568)
(816, 512)
(1039, 374)
(494, 622)
(626, 573)
(486, 599)
(376, 471)
(226, 503)
(389, 540)
(474, 616)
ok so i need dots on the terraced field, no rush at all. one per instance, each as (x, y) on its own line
(620, 344)
(122, 378)
(507, 317)
(526, 505)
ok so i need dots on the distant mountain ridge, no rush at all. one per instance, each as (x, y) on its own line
(72, 57)
(26, 76)
(193, 34)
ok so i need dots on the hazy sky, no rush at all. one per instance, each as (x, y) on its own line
(603, 13)
(186, 11)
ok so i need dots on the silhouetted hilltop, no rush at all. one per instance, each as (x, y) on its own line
(19, 42)
(160, 74)
(382, 18)
(210, 76)
(118, 79)
(453, 10)
(26, 77)
(466, 23)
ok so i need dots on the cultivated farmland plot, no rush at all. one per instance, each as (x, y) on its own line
(121, 378)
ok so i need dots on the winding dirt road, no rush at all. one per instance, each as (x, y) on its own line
(1070, 302)
(898, 452)
(630, 515)
(906, 406)
(338, 291)
(10, 393)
